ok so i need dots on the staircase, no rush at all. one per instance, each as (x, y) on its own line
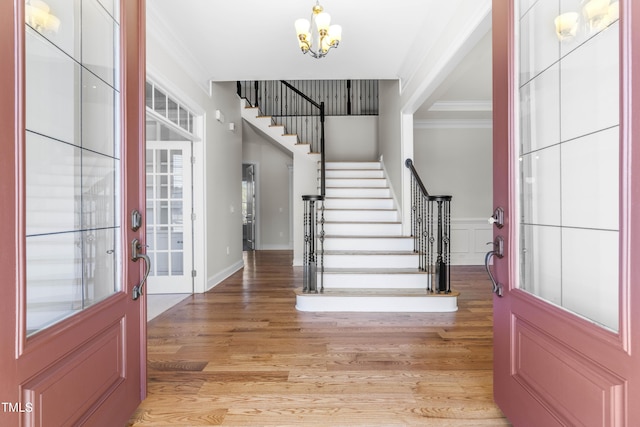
(368, 264)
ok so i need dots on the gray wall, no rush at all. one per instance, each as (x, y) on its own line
(223, 176)
(457, 162)
(351, 138)
(272, 186)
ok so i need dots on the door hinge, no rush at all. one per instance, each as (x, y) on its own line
(193, 216)
(193, 160)
(194, 273)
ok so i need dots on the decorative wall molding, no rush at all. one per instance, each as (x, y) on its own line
(158, 29)
(469, 237)
(453, 124)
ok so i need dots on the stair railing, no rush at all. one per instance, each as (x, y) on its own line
(431, 232)
(304, 117)
(288, 106)
(313, 251)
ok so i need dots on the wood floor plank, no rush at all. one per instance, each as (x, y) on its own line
(241, 355)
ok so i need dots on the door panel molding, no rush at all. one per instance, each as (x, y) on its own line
(552, 372)
(71, 388)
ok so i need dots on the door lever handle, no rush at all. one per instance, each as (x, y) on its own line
(136, 246)
(498, 251)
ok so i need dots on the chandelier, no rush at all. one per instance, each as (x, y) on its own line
(596, 16)
(38, 15)
(315, 35)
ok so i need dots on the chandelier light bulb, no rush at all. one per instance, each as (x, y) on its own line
(316, 35)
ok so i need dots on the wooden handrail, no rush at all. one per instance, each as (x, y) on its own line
(409, 163)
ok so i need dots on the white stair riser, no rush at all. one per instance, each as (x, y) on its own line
(344, 203)
(376, 281)
(358, 192)
(370, 261)
(362, 229)
(356, 182)
(352, 165)
(347, 173)
(386, 304)
(361, 215)
(368, 244)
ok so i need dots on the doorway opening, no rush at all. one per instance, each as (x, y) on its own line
(249, 218)
(170, 209)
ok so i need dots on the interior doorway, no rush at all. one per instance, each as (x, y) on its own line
(169, 215)
(249, 218)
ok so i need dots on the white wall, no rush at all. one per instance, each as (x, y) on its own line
(458, 162)
(389, 130)
(272, 188)
(351, 138)
(218, 162)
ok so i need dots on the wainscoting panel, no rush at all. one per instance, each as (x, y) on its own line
(469, 237)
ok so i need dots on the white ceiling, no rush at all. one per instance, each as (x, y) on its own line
(255, 40)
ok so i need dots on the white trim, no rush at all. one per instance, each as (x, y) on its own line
(174, 127)
(390, 186)
(161, 31)
(453, 124)
(328, 302)
(479, 24)
(218, 278)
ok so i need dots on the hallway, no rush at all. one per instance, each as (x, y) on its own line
(242, 355)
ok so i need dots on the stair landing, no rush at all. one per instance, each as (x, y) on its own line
(377, 300)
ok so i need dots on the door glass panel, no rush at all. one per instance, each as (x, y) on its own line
(568, 155)
(165, 192)
(72, 158)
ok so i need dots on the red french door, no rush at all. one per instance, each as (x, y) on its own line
(567, 349)
(71, 173)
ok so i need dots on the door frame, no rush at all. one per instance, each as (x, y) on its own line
(256, 207)
(577, 334)
(190, 262)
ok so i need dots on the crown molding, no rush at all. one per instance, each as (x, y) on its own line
(158, 29)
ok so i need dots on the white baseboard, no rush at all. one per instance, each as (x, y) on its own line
(216, 279)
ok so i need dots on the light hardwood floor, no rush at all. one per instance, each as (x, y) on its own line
(242, 355)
